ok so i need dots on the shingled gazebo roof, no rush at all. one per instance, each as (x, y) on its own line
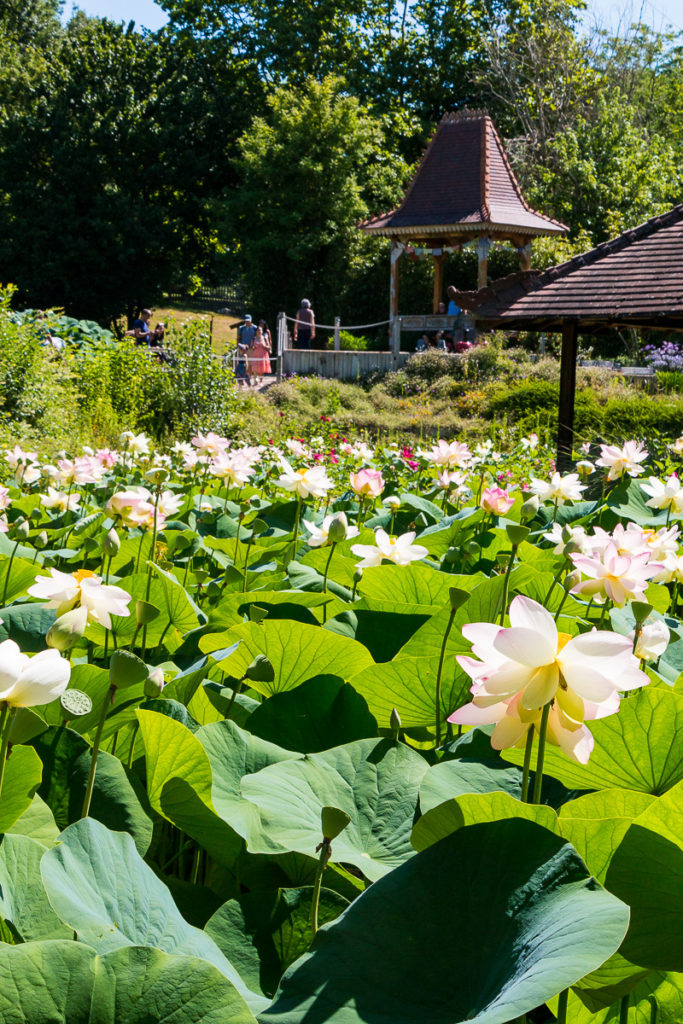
(635, 279)
(464, 187)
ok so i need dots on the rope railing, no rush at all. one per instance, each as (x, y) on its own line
(337, 327)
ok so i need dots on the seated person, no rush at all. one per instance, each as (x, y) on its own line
(423, 343)
(441, 309)
(440, 341)
(453, 308)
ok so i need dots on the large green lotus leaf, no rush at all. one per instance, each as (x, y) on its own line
(664, 990)
(646, 870)
(608, 984)
(234, 754)
(381, 626)
(475, 809)
(342, 565)
(99, 885)
(232, 608)
(530, 922)
(596, 823)
(118, 798)
(27, 625)
(375, 781)
(23, 772)
(453, 531)
(641, 747)
(23, 903)
(58, 982)
(321, 713)
(629, 501)
(409, 685)
(296, 651)
(179, 782)
(406, 584)
(311, 581)
(263, 933)
(453, 778)
(37, 822)
(22, 574)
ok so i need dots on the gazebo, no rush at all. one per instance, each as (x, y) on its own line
(464, 191)
(635, 280)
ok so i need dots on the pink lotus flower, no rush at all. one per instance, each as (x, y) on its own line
(619, 578)
(210, 444)
(369, 483)
(454, 454)
(4, 498)
(496, 501)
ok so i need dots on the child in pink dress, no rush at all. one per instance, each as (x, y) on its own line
(259, 357)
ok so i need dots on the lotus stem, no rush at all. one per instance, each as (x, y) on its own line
(623, 1010)
(137, 560)
(543, 728)
(439, 671)
(506, 582)
(5, 723)
(653, 1010)
(527, 765)
(296, 528)
(136, 728)
(562, 1006)
(9, 570)
(325, 851)
(95, 750)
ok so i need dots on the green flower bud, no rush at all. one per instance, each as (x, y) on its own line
(21, 530)
(395, 723)
(337, 529)
(333, 821)
(154, 683)
(111, 543)
(260, 670)
(67, 630)
(126, 669)
(572, 579)
(358, 576)
(530, 507)
(40, 541)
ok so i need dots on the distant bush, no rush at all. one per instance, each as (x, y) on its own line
(353, 342)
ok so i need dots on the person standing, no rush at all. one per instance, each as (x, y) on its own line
(304, 326)
(141, 331)
(260, 355)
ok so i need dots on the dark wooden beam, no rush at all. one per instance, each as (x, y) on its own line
(565, 423)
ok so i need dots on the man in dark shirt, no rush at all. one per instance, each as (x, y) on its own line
(141, 327)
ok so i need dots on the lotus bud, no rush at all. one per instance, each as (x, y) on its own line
(154, 683)
(75, 704)
(395, 723)
(358, 576)
(567, 533)
(517, 534)
(572, 548)
(21, 530)
(473, 548)
(67, 630)
(260, 670)
(126, 669)
(40, 541)
(451, 556)
(156, 475)
(111, 543)
(392, 501)
(333, 821)
(337, 529)
(145, 612)
(36, 513)
(572, 579)
(641, 610)
(530, 508)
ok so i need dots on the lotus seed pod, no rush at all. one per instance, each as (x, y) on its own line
(67, 630)
(145, 612)
(517, 534)
(457, 597)
(157, 475)
(126, 669)
(473, 548)
(337, 529)
(260, 670)
(333, 821)
(641, 610)
(258, 527)
(75, 704)
(111, 543)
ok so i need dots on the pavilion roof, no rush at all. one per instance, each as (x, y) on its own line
(464, 187)
(635, 279)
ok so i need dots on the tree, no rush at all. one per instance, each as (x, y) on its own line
(108, 179)
(310, 170)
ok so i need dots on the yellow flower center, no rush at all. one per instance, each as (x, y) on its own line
(81, 575)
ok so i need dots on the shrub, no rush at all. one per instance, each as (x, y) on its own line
(525, 398)
(353, 342)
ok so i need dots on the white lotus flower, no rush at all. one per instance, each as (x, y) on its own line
(61, 500)
(5, 499)
(65, 591)
(27, 473)
(560, 536)
(138, 444)
(559, 489)
(619, 578)
(399, 550)
(622, 461)
(30, 682)
(455, 454)
(304, 482)
(664, 494)
(210, 444)
(319, 535)
(17, 456)
(297, 448)
(677, 446)
(653, 640)
(232, 466)
(133, 506)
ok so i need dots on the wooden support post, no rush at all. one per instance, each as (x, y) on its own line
(438, 258)
(565, 424)
(524, 253)
(483, 247)
(396, 251)
(337, 341)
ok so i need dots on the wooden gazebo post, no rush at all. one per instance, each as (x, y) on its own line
(565, 419)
